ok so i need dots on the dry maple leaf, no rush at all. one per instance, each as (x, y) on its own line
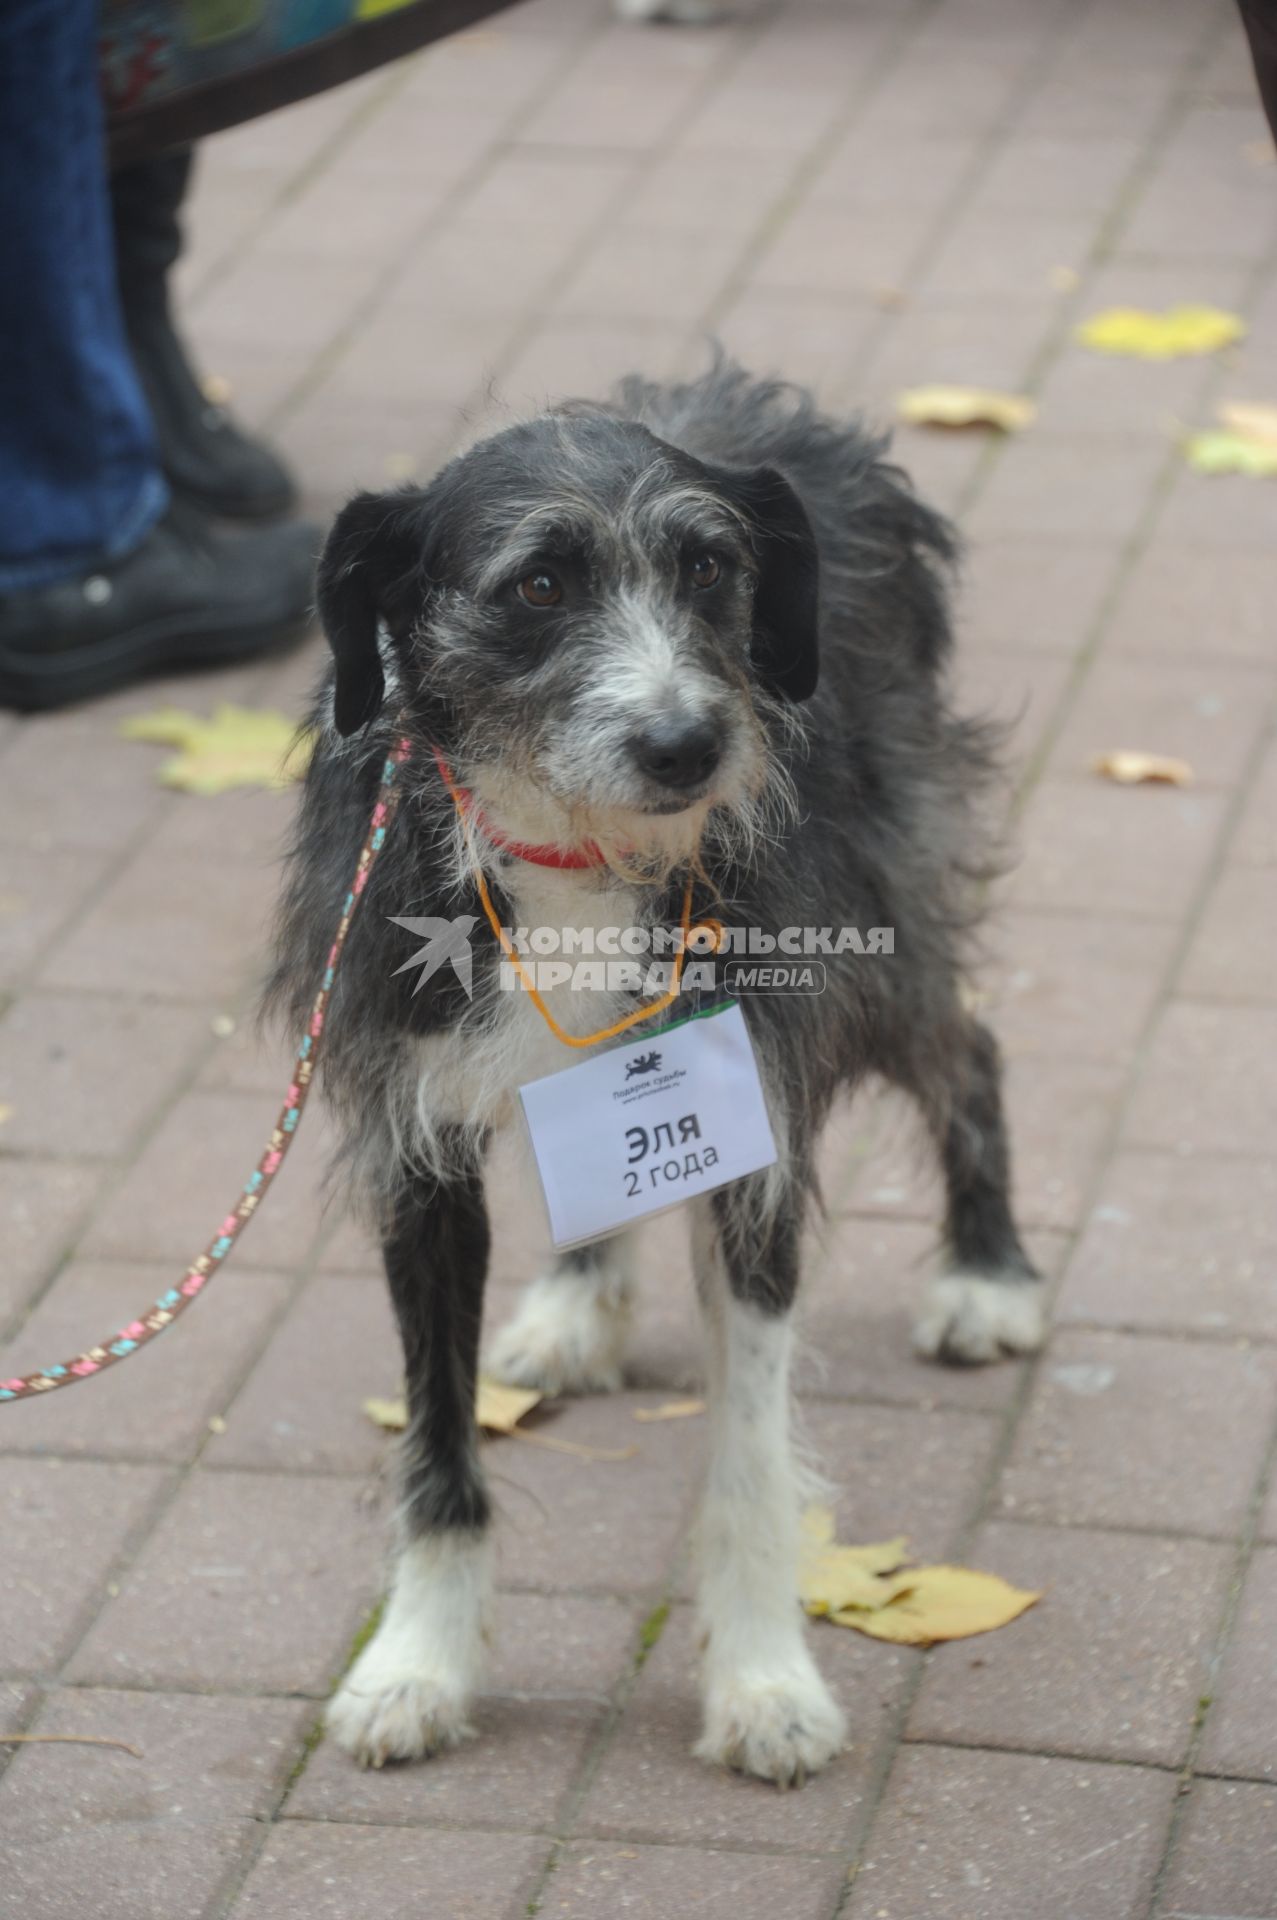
(671, 1410)
(832, 1577)
(498, 1408)
(1130, 768)
(238, 747)
(930, 1604)
(390, 1414)
(1161, 336)
(943, 406)
(867, 1588)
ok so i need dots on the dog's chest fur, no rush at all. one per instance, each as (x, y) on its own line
(468, 1075)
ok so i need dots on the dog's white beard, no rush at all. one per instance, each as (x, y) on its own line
(646, 848)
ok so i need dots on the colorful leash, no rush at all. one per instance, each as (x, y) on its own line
(169, 1305)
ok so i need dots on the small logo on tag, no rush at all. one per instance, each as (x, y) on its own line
(645, 1063)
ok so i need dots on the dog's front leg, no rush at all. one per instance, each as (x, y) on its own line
(409, 1692)
(767, 1710)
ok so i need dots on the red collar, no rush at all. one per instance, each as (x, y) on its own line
(564, 859)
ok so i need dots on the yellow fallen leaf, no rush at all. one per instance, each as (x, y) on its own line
(818, 1525)
(1251, 418)
(942, 406)
(670, 1410)
(941, 1603)
(498, 1408)
(832, 1577)
(390, 1414)
(818, 1530)
(1132, 769)
(238, 747)
(6, 1113)
(1232, 453)
(1161, 336)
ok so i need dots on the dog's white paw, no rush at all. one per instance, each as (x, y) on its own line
(566, 1336)
(778, 1726)
(969, 1319)
(377, 1715)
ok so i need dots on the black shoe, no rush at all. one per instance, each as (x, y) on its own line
(192, 595)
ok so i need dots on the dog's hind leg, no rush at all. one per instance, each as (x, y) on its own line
(766, 1709)
(989, 1300)
(409, 1692)
(569, 1330)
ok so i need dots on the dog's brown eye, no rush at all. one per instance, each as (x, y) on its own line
(540, 590)
(705, 570)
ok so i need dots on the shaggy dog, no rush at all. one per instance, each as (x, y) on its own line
(698, 632)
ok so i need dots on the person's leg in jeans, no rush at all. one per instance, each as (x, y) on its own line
(102, 577)
(79, 474)
(205, 456)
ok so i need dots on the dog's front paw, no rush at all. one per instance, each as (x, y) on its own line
(378, 1716)
(779, 1727)
(969, 1319)
(563, 1338)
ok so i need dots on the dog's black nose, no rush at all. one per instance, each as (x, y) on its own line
(679, 753)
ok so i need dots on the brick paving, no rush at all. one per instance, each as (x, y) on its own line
(862, 194)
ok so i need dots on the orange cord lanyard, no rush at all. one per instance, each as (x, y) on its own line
(521, 972)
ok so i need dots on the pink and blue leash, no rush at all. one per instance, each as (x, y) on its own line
(130, 1339)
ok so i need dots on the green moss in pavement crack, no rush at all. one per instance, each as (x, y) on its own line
(651, 1630)
(314, 1734)
(363, 1635)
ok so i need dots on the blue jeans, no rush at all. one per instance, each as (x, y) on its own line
(80, 480)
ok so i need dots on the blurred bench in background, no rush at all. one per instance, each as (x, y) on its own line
(174, 71)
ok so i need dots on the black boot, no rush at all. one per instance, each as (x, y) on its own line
(204, 454)
(193, 594)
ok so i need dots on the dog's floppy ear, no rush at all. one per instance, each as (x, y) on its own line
(367, 565)
(786, 648)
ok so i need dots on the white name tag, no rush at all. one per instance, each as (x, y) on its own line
(631, 1132)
